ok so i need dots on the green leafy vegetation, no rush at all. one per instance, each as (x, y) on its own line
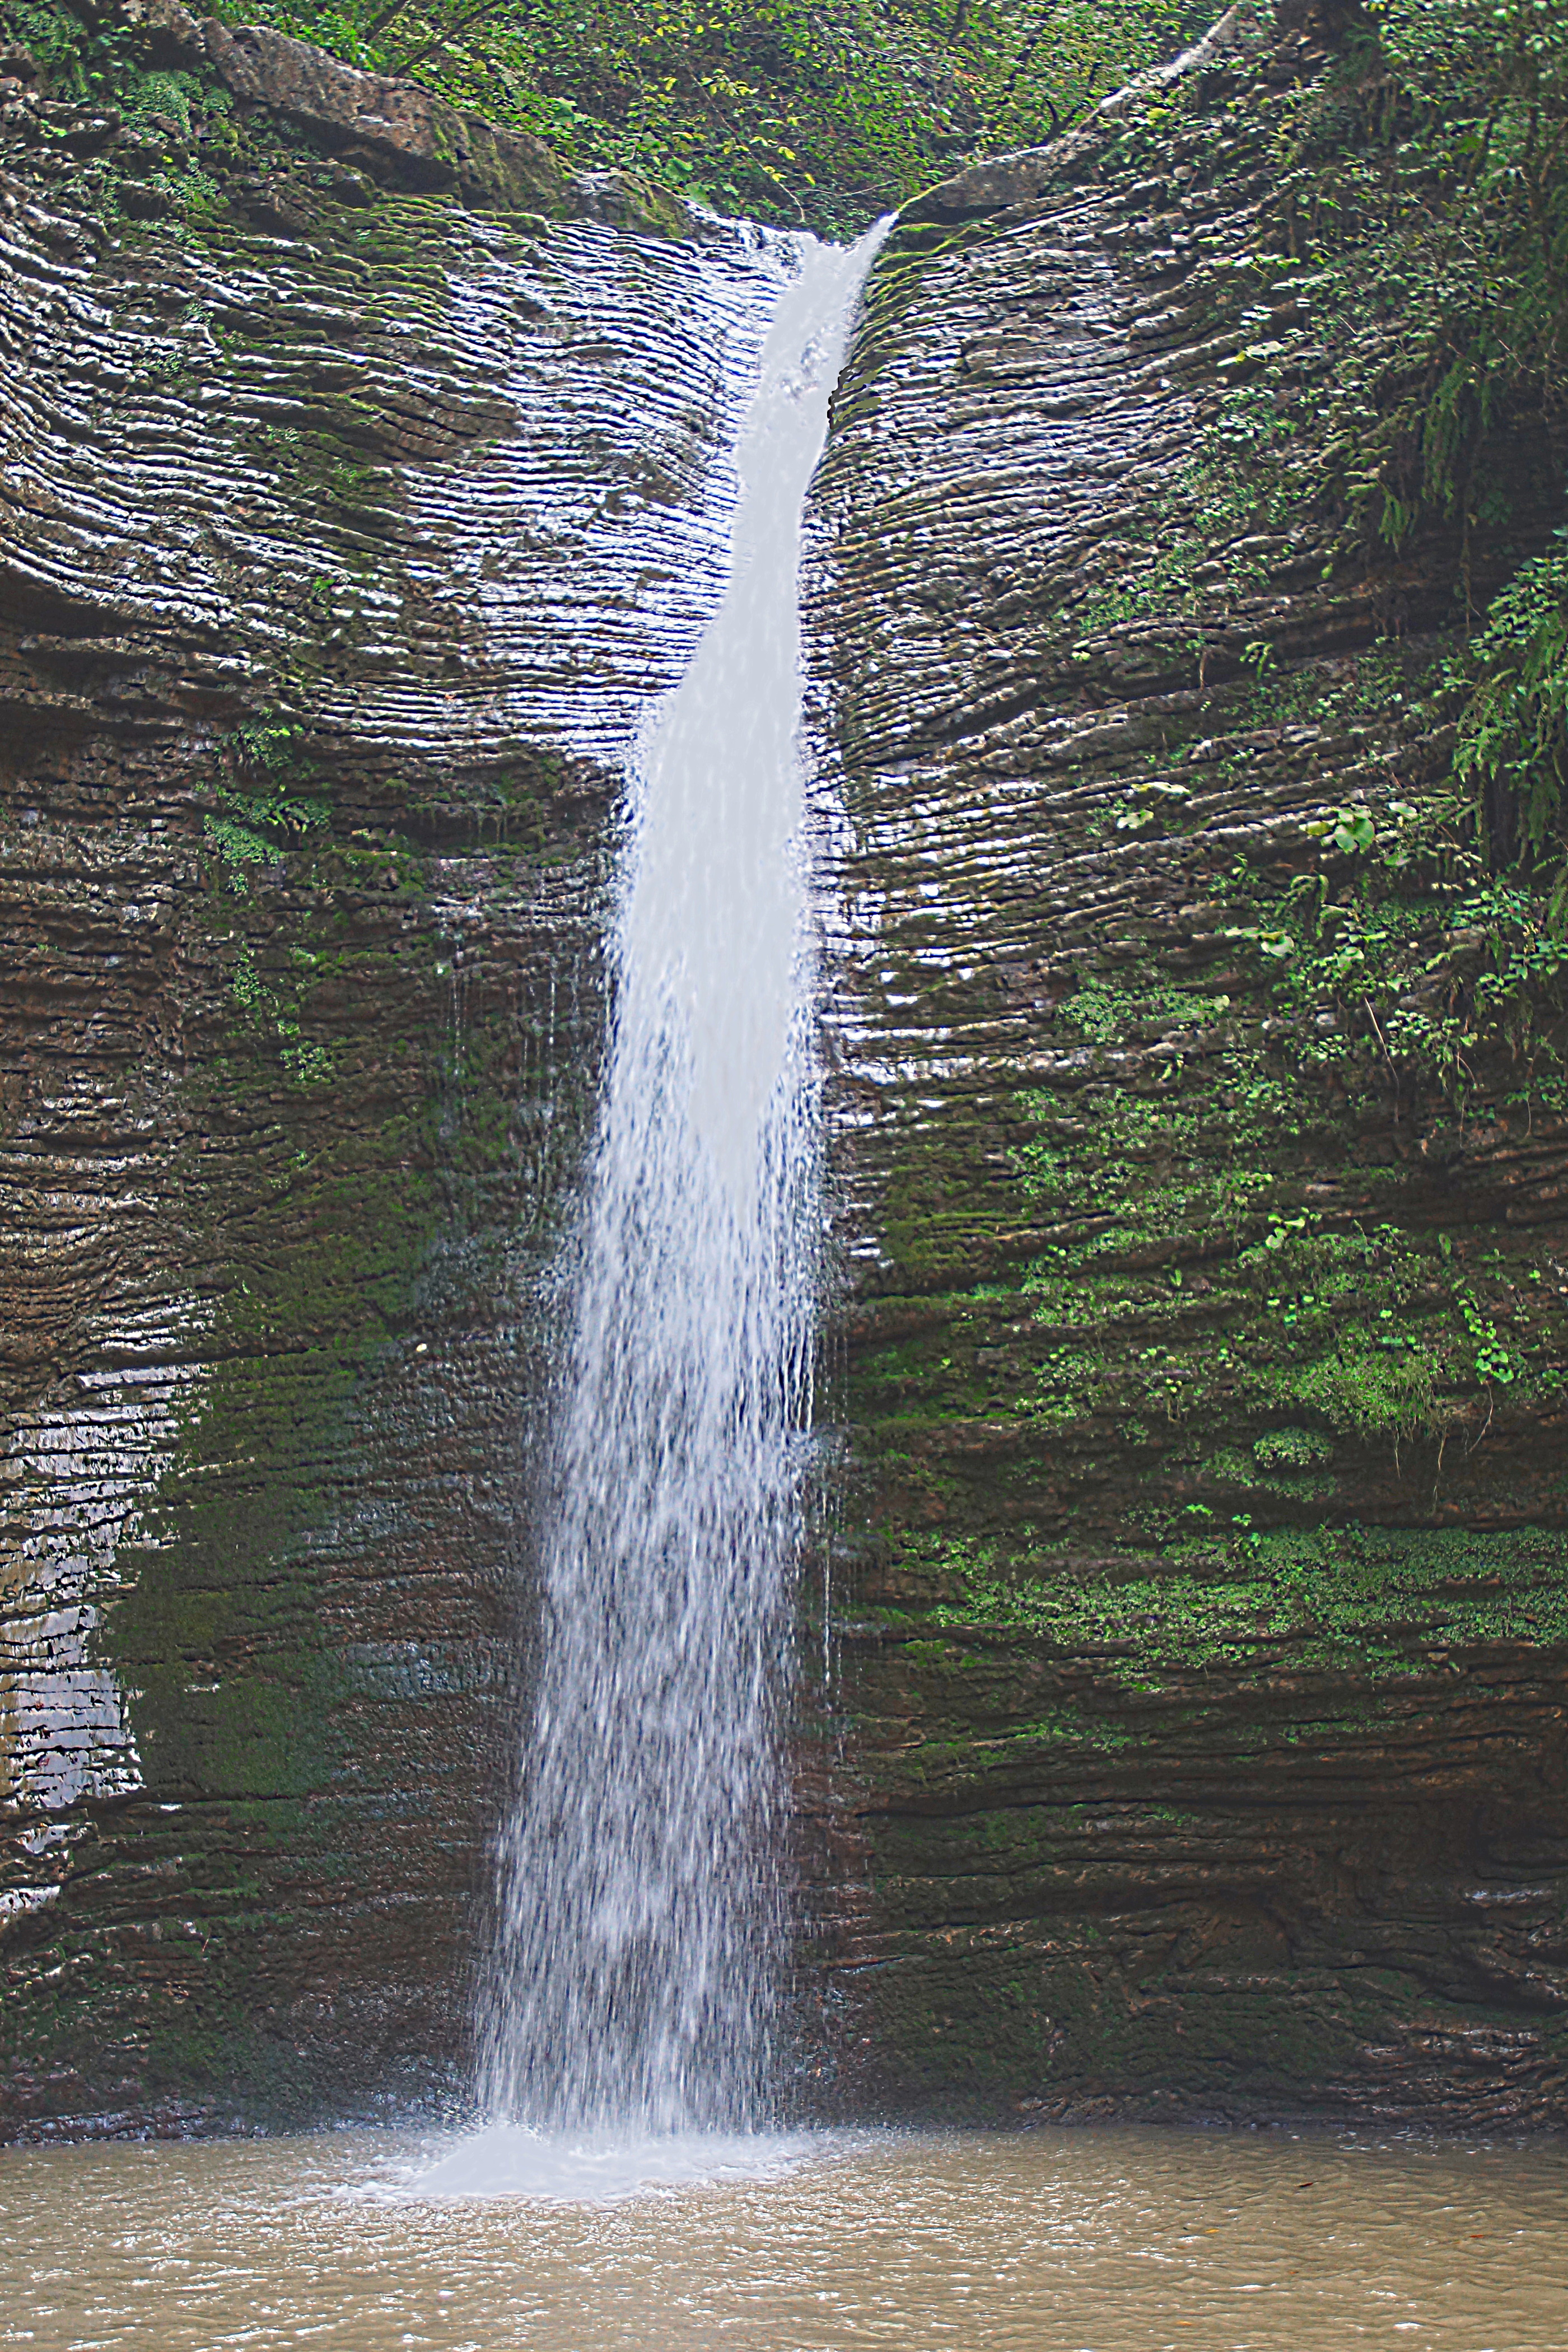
(777, 109)
(1292, 1449)
(263, 806)
(1383, 1598)
(1513, 731)
(1395, 357)
(1420, 214)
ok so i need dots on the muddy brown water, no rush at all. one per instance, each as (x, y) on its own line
(1089, 2241)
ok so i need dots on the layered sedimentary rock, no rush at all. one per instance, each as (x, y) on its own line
(347, 534)
(1195, 1736)
(1200, 1743)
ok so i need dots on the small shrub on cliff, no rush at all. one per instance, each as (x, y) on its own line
(57, 40)
(1368, 1390)
(1513, 734)
(1292, 1449)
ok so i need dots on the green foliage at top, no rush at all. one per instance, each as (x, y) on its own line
(1423, 200)
(1486, 85)
(781, 110)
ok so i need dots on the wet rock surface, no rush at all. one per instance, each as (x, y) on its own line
(1199, 1740)
(345, 538)
(1195, 1742)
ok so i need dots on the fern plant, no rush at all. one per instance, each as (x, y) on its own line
(1512, 744)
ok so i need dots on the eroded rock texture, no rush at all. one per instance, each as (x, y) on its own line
(346, 535)
(1202, 1733)
(1196, 1739)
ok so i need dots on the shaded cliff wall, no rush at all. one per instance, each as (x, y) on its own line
(1199, 1742)
(1201, 1147)
(347, 532)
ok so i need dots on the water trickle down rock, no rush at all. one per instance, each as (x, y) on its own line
(338, 567)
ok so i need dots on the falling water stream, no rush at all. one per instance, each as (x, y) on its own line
(639, 1901)
(629, 2016)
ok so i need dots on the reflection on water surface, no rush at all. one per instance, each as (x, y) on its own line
(1096, 2241)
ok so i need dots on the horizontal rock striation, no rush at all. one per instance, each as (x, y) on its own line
(345, 537)
(1200, 1746)
(1195, 1742)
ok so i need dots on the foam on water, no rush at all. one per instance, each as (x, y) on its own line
(566, 2167)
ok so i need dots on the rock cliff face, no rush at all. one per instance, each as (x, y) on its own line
(346, 535)
(1202, 1736)
(1197, 1738)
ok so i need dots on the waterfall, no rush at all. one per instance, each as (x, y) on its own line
(640, 1900)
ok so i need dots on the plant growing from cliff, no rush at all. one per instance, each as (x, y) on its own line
(1346, 1324)
(1363, 1387)
(1424, 182)
(1343, 1596)
(264, 807)
(273, 1008)
(171, 95)
(262, 812)
(255, 828)
(1512, 742)
(1495, 1361)
(1397, 953)
(239, 847)
(825, 109)
(1207, 544)
(1292, 1449)
(59, 41)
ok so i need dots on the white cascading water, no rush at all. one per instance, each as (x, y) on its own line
(633, 1989)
